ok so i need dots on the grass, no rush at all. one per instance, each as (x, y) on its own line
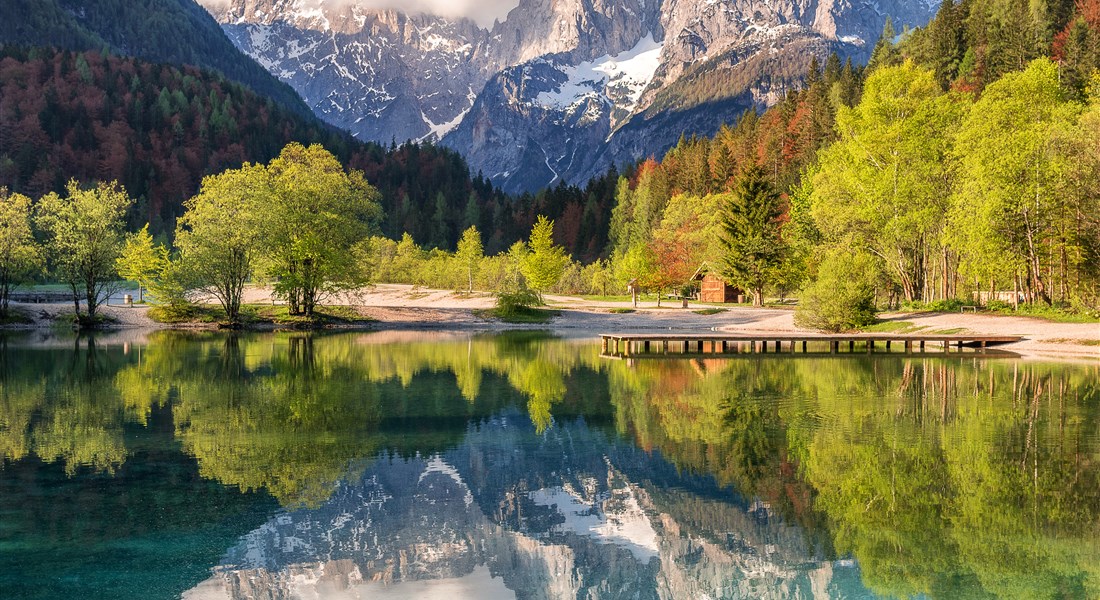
(257, 314)
(709, 311)
(1075, 342)
(16, 316)
(622, 311)
(1055, 314)
(612, 298)
(955, 331)
(67, 320)
(519, 316)
(892, 327)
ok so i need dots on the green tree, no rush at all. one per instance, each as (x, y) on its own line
(883, 186)
(84, 233)
(315, 217)
(1012, 169)
(754, 247)
(470, 253)
(20, 256)
(543, 267)
(220, 235)
(141, 260)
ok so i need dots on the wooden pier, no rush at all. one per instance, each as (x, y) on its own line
(616, 345)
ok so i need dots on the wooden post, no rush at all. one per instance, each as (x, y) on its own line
(887, 345)
(851, 345)
(603, 345)
(870, 346)
(922, 342)
(805, 344)
(834, 347)
(908, 346)
(664, 346)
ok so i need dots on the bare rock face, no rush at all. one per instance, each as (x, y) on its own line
(561, 89)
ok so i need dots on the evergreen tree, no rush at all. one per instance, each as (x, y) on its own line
(752, 234)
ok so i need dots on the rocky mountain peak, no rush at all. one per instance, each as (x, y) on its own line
(561, 89)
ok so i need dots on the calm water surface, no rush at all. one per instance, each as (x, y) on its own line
(520, 466)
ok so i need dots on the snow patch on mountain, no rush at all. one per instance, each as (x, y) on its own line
(622, 77)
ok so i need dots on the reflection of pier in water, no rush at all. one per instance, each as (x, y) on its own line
(641, 345)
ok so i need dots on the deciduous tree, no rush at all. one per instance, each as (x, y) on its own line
(20, 256)
(84, 232)
(543, 267)
(220, 235)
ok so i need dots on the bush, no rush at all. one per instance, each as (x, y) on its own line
(516, 302)
(842, 298)
(950, 305)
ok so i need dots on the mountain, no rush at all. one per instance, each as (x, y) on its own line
(561, 89)
(177, 32)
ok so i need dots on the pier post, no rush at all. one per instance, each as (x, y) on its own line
(805, 344)
(870, 346)
(851, 346)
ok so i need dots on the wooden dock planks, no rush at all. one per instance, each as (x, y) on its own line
(670, 344)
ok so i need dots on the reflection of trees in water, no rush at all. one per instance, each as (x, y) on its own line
(943, 477)
(946, 478)
(293, 414)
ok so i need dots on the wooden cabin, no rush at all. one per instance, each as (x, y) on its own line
(713, 288)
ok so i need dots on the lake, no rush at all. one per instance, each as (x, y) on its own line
(435, 465)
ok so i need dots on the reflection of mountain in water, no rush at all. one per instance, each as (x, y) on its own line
(509, 513)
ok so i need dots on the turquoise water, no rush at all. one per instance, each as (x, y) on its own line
(395, 465)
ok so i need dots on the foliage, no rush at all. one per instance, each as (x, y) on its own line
(313, 217)
(84, 233)
(883, 186)
(841, 297)
(20, 256)
(544, 265)
(751, 236)
(220, 236)
(160, 31)
(515, 302)
(470, 253)
(159, 129)
(142, 261)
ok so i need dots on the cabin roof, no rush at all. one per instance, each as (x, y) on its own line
(704, 270)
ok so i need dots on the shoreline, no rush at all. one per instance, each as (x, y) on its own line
(407, 308)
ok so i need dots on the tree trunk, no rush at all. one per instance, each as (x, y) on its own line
(76, 299)
(758, 297)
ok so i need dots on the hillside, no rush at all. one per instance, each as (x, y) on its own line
(177, 32)
(158, 129)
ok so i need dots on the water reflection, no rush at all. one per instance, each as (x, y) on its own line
(520, 466)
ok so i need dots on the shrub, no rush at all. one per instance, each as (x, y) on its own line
(842, 298)
(516, 302)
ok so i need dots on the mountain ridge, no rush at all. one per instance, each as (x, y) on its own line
(560, 90)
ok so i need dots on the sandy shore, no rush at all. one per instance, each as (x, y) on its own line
(394, 307)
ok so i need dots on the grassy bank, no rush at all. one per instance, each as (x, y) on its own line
(258, 315)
